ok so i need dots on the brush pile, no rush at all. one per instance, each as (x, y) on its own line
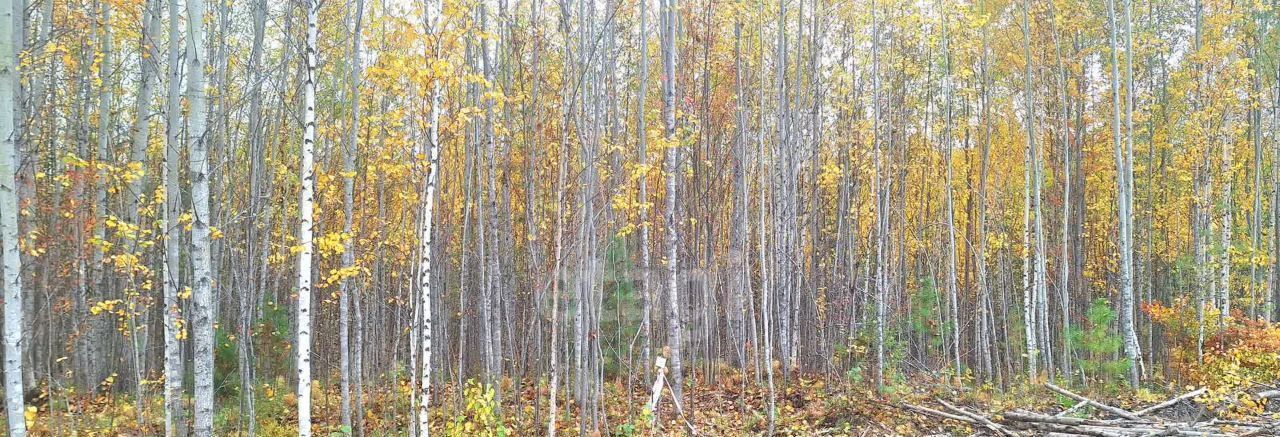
(1178, 416)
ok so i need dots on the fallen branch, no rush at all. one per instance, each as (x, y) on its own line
(1110, 409)
(994, 427)
(1170, 402)
(935, 413)
(1269, 394)
(1073, 409)
(1263, 430)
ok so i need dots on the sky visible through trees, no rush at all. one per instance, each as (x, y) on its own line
(586, 217)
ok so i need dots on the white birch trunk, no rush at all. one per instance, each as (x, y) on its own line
(952, 287)
(172, 271)
(1132, 349)
(1030, 266)
(140, 136)
(12, 263)
(432, 23)
(201, 263)
(1064, 263)
(882, 215)
(642, 158)
(1123, 187)
(348, 200)
(674, 329)
(306, 208)
(258, 230)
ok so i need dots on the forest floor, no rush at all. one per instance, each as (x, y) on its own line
(729, 405)
(807, 405)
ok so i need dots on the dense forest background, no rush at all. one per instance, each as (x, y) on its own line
(498, 216)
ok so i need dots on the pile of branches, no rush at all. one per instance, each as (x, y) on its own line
(1118, 422)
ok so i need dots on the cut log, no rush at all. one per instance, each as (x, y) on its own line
(1029, 417)
(1110, 409)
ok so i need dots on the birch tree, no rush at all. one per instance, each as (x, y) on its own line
(1031, 216)
(985, 329)
(12, 263)
(740, 272)
(671, 147)
(305, 220)
(953, 288)
(172, 270)
(1129, 311)
(642, 196)
(348, 208)
(828, 166)
(201, 261)
(881, 203)
(1064, 263)
(140, 134)
(433, 10)
(258, 230)
(1124, 172)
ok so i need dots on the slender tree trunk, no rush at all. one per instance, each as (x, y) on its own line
(258, 232)
(348, 200)
(12, 263)
(675, 332)
(740, 272)
(566, 108)
(139, 135)
(1132, 349)
(642, 157)
(172, 270)
(985, 327)
(201, 262)
(1031, 254)
(1269, 302)
(784, 224)
(306, 208)
(1255, 134)
(1200, 225)
(1123, 172)
(431, 20)
(100, 365)
(953, 288)
(1225, 229)
(557, 273)
(357, 367)
(490, 255)
(1064, 263)
(533, 136)
(881, 200)
(762, 206)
